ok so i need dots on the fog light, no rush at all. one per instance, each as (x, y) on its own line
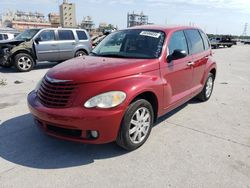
(94, 134)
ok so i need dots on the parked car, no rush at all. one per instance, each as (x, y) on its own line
(222, 41)
(247, 41)
(50, 44)
(7, 36)
(129, 80)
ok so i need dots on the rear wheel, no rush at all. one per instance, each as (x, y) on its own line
(206, 93)
(136, 125)
(80, 53)
(24, 62)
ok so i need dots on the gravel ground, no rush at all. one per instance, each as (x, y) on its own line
(197, 145)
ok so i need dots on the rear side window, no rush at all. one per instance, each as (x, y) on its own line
(196, 41)
(47, 35)
(5, 36)
(177, 41)
(205, 40)
(65, 35)
(81, 35)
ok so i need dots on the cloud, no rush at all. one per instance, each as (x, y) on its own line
(240, 5)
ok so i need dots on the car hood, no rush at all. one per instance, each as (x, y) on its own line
(91, 68)
(10, 42)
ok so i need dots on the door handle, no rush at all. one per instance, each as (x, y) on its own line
(191, 63)
(53, 44)
(73, 43)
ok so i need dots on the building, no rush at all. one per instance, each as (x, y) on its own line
(67, 14)
(88, 24)
(20, 20)
(137, 19)
(54, 19)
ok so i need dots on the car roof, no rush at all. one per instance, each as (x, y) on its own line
(163, 28)
(52, 28)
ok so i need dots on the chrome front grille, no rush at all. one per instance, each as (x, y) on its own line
(56, 95)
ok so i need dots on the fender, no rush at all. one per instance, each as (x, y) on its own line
(209, 66)
(25, 47)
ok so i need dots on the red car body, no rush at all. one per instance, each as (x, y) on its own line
(167, 86)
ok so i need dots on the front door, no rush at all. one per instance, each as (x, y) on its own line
(177, 73)
(46, 47)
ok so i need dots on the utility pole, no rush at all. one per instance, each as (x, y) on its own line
(245, 30)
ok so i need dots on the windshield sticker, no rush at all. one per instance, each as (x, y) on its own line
(150, 34)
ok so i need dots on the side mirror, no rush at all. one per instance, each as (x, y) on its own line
(177, 54)
(37, 40)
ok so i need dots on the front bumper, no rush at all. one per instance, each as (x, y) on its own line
(5, 56)
(75, 123)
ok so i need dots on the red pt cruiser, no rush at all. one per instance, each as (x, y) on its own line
(129, 80)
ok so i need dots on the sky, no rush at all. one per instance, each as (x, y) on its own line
(213, 16)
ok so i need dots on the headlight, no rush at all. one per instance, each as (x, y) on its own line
(106, 100)
(38, 85)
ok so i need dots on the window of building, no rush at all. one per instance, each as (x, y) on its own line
(177, 42)
(65, 35)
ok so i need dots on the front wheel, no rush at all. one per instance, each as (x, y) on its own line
(23, 62)
(206, 93)
(136, 125)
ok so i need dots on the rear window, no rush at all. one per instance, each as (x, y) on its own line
(81, 35)
(65, 35)
(205, 40)
(196, 41)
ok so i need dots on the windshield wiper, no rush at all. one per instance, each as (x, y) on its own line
(113, 55)
(93, 53)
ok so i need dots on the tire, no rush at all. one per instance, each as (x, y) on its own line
(133, 135)
(4, 63)
(23, 62)
(207, 90)
(80, 53)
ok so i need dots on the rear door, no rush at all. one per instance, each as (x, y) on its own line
(67, 43)
(177, 73)
(200, 54)
(46, 47)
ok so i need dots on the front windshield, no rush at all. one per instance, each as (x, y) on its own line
(27, 34)
(134, 43)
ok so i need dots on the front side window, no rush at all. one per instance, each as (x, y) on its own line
(196, 41)
(81, 35)
(132, 43)
(177, 42)
(65, 35)
(48, 35)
